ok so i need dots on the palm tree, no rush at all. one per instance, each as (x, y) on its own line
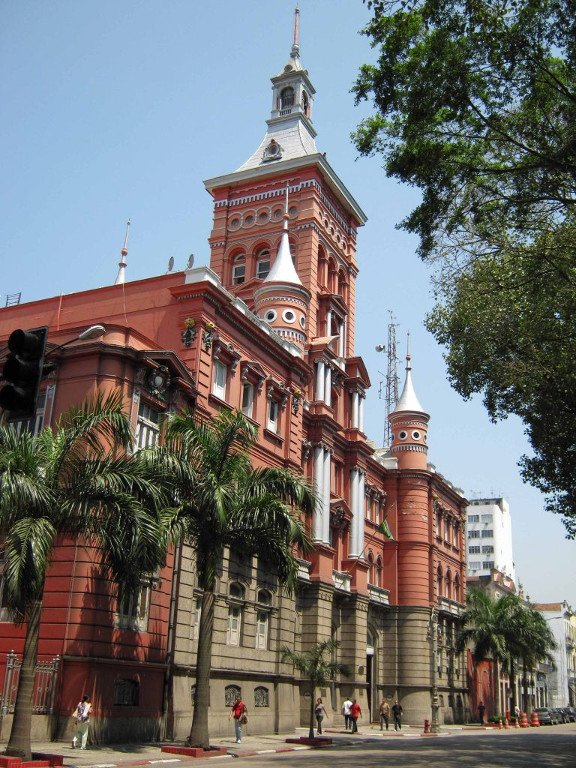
(220, 500)
(488, 626)
(78, 481)
(315, 668)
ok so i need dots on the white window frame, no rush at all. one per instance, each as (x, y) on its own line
(263, 267)
(220, 379)
(262, 629)
(247, 405)
(273, 416)
(234, 627)
(147, 427)
(132, 609)
(239, 272)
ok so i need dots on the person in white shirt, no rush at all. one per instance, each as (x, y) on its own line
(347, 715)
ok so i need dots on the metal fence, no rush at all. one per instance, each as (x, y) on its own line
(44, 685)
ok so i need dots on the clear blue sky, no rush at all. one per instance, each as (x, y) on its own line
(115, 110)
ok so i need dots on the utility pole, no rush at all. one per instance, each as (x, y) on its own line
(392, 381)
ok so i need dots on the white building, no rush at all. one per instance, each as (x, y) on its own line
(561, 679)
(489, 538)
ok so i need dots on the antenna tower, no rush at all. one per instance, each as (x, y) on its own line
(392, 381)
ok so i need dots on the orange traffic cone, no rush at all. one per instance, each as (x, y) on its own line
(500, 724)
(524, 720)
(506, 724)
(517, 723)
(534, 722)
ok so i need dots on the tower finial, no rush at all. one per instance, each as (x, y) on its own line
(295, 47)
(408, 357)
(121, 276)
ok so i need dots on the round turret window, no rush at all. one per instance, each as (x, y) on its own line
(270, 315)
(402, 435)
(416, 435)
(288, 316)
(302, 322)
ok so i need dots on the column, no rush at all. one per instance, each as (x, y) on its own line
(361, 398)
(320, 379)
(326, 492)
(329, 323)
(355, 410)
(361, 488)
(354, 551)
(328, 385)
(319, 488)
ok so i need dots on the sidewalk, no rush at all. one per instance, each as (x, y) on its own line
(110, 756)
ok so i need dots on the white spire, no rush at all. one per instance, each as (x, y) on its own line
(408, 400)
(290, 131)
(121, 276)
(283, 269)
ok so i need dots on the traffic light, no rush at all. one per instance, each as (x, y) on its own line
(22, 372)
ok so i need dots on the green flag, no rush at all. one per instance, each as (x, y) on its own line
(383, 528)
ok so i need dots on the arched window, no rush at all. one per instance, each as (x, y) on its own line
(235, 610)
(287, 98)
(263, 619)
(457, 588)
(305, 104)
(231, 693)
(371, 574)
(261, 696)
(439, 580)
(262, 263)
(379, 582)
(448, 584)
(238, 269)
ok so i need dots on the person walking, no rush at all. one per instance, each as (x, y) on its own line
(355, 713)
(397, 712)
(384, 714)
(239, 711)
(320, 713)
(481, 710)
(346, 712)
(82, 716)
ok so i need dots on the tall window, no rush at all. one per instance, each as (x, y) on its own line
(147, 426)
(262, 629)
(239, 270)
(234, 629)
(273, 421)
(248, 399)
(263, 264)
(220, 380)
(133, 607)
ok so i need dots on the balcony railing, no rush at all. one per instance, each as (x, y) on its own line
(342, 580)
(378, 595)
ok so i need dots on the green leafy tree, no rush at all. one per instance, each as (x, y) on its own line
(316, 668)
(221, 501)
(475, 105)
(75, 480)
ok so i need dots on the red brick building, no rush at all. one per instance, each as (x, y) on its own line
(268, 329)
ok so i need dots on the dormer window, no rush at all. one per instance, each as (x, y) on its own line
(305, 104)
(287, 98)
